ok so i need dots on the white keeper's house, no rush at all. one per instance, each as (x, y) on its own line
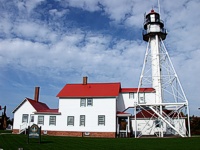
(88, 109)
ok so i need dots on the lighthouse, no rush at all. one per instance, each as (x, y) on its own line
(168, 108)
(153, 33)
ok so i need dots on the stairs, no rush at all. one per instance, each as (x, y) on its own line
(23, 128)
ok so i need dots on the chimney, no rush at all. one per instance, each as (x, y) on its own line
(36, 96)
(85, 80)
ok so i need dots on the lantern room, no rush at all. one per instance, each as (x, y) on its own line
(153, 25)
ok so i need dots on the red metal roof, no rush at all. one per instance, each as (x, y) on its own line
(42, 107)
(119, 113)
(37, 105)
(134, 90)
(90, 90)
(151, 114)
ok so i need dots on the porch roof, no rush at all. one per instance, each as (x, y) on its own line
(123, 114)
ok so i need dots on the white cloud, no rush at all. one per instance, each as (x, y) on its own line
(57, 13)
(89, 5)
(34, 46)
(30, 4)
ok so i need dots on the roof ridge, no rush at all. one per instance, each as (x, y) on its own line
(94, 83)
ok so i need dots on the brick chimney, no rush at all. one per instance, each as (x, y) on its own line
(36, 96)
(85, 80)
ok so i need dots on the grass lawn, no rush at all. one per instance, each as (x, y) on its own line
(13, 142)
(5, 131)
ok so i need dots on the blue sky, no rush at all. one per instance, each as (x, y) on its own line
(49, 43)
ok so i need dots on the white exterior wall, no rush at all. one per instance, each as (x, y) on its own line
(180, 124)
(147, 127)
(124, 102)
(46, 125)
(101, 106)
(150, 98)
(26, 108)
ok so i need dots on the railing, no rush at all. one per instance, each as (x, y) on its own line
(146, 21)
(23, 127)
(162, 30)
(122, 133)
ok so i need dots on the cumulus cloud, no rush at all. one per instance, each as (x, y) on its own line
(43, 40)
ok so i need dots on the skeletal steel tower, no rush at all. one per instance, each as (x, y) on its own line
(169, 107)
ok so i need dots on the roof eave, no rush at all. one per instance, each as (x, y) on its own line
(50, 113)
(88, 96)
(20, 105)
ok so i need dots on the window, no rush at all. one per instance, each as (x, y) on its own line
(89, 102)
(131, 95)
(158, 123)
(24, 118)
(101, 120)
(141, 98)
(70, 120)
(83, 102)
(52, 120)
(40, 119)
(32, 118)
(82, 120)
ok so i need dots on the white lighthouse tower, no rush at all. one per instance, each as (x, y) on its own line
(169, 107)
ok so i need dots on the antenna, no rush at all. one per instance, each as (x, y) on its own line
(159, 7)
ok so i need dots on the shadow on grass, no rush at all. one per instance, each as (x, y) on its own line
(46, 142)
(42, 142)
(36, 141)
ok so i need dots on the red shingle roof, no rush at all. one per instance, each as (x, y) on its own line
(90, 90)
(145, 90)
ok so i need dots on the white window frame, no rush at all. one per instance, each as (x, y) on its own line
(142, 98)
(25, 118)
(83, 102)
(82, 120)
(52, 120)
(41, 120)
(101, 120)
(32, 118)
(90, 102)
(131, 95)
(70, 120)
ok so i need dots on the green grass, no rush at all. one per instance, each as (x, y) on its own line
(13, 142)
(5, 131)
